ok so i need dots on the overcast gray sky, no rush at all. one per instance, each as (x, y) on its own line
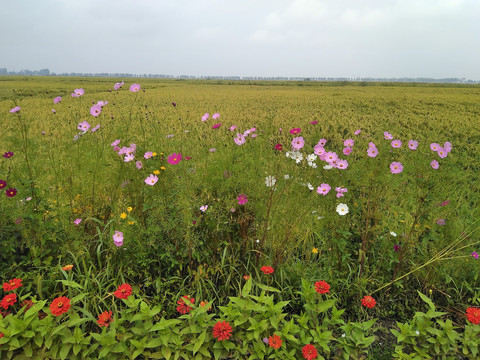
(351, 38)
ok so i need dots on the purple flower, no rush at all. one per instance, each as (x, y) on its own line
(15, 109)
(298, 143)
(396, 143)
(212, 150)
(53, 111)
(3, 184)
(347, 150)
(102, 103)
(349, 142)
(357, 132)
(265, 340)
(174, 104)
(240, 139)
(84, 126)
(95, 110)
(57, 99)
(115, 143)
(242, 199)
(233, 127)
(396, 248)
(148, 155)
(18, 221)
(151, 180)
(434, 164)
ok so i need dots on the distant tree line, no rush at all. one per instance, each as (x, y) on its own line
(46, 72)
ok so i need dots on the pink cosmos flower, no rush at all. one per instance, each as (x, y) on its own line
(349, 142)
(323, 189)
(434, 164)
(357, 132)
(239, 140)
(475, 255)
(331, 156)
(341, 164)
(15, 109)
(371, 145)
(278, 147)
(129, 157)
(84, 126)
(174, 158)
(102, 103)
(347, 150)
(396, 167)
(447, 146)
(298, 143)
(148, 155)
(115, 143)
(387, 135)
(213, 150)
(139, 165)
(151, 180)
(295, 131)
(77, 222)
(96, 128)
(434, 146)
(340, 191)
(315, 122)
(442, 153)
(216, 116)
(57, 99)
(396, 143)
(413, 145)
(205, 117)
(253, 136)
(322, 142)
(216, 126)
(53, 111)
(78, 92)
(203, 208)
(118, 85)
(372, 152)
(116, 148)
(232, 128)
(318, 150)
(118, 238)
(242, 199)
(135, 87)
(95, 110)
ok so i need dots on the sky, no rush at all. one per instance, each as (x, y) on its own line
(293, 38)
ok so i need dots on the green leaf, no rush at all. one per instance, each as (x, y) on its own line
(64, 351)
(154, 343)
(247, 288)
(268, 288)
(71, 283)
(199, 342)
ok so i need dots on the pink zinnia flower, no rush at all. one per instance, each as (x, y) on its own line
(239, 140)
(57, 99)
(298, 143)
(205, 117)
(77, 222)
(135, 87)
(434, 164)
(242, 199)
(151, 180)
(15, 109)
(115, 143)
(349, 142)
(396, 167)
(148, 155)
(323, 189)
(396, 143)
(434, 146)
(357, 132)
(84, 126)
(278, 147)
(118, 238)
(216, 126)
(216, 116)
(78, 92)
(174, 158)
(139, 165)
(387, 135)
(413, 145)
(442, 153)
(331, 156)
(295, 131)
(341, 164)
(372, 152)
(347, 150)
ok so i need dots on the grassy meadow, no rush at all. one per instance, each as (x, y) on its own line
(204, 224)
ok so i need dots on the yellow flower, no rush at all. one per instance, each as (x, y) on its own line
(156, 172)
(154, 154)
(161, 153)
(123, 215)
(315, 250)
(131, 223)
(163, 168)
(129, 209)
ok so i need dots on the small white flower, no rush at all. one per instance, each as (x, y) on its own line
(393, 233)
(320, 217)
(328, 167)
(342, 209)
(311, 158)
(287, 154)
(297, 156)
(343, 335)
(310, 186)
(417, 332)
(257, 240)
(203, 208)
(270, 181)
(312, 164)
(287, 177)
(314, 211)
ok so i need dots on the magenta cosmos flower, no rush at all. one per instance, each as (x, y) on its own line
(11, 192)
(323, 189)
(434, 164)
(347, 150)
(3, 184)
(135, 87)
(118, 238)
(15, 109)
(315, 122)
(295, 131)
(216, 126)
(8, 154)
(242, 199)
(396, 167)
(57, 99)
(413, 145)
(278, 147)
(78, 92)
(151, 180)
(174, 158)
(298, 143)
(95, 110)
(475, 255)
(396, 143)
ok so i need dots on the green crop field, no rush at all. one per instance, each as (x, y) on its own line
(370, 187)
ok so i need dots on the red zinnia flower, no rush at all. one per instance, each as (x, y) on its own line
(1, 335)
(368, 302)
(60, 305)
(123, 291)
(473, 315)
(267, 270)
(322, 287)
(11, 192)
(275, 341)
(182, 307)
(309, 352)
(222, 331)
(12, 284)
(8, 300)
(104, 319)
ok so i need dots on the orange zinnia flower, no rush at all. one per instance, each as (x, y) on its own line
(60, 305)
(275, 341)
(67, 267)
(105, 318)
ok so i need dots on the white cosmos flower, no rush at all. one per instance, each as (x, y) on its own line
(311, 158)
(342, 209)
(287, 154)
(287, 177)
(270, 181)
(328, 167)
(310, 186)
(312, 164)
(297, 156)
(393, 233)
